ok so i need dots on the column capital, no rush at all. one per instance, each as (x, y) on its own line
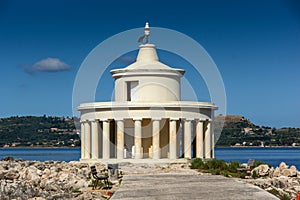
(137, 119)
(156, 119)
(200, 120)
(119, 119)
(189, 119)
(174, 119)
(104, 120)
(94, 120)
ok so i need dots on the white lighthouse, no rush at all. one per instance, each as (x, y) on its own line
(147, 119)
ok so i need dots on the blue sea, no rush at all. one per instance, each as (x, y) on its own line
(272, 156)
(42, 154)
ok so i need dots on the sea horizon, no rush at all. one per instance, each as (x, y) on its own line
(269, 155)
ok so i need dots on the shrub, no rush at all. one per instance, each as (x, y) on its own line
(257, 163)
(225, 173)
(281, 197)
(274, 192)
(58, 169)
(242, 175)
(233, 166)
(218, 167)
(76, 190)
(214, 171)
(197, 163)
(99, 183)
(285, 197)
(217, 164)
(254, 175)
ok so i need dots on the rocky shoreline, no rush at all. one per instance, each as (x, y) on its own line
(282, 181)
(20, 179)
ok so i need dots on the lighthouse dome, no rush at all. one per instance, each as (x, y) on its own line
(147, 79)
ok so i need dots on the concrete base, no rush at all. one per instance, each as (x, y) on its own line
(170, 186)
(137, 161)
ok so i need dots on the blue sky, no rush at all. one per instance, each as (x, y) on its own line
(255, 44)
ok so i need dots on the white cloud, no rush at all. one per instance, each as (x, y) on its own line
(46, 65)
(50, 65)
(126, 59)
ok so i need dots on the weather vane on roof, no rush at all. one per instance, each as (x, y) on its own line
(146, 35)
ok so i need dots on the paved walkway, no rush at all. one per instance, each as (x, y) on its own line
(186, 186)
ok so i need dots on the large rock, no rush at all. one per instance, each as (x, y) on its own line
(284, 179)
(284, 170)
(289, 172)
(63, 176)
(293, 170)
(7, 158)
(2, 174)
(11, 175)
(282, 166)
(297, 188)
(276, 172)
(262, 170)
(32, 176)
(280, 182)
(43, 180)
(46, 173)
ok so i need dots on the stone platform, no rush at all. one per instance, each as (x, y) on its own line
(182, 183)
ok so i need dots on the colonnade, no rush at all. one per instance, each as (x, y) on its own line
(95, 138)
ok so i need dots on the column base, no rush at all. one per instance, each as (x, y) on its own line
(132, 160)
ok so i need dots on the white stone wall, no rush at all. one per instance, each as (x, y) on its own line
(150, 88)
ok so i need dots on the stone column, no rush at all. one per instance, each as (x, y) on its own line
(82, 140)
(106, 140)
(95, 139)
(199, 139)
(180, 140)
(100, 139)
(138, 138)
(173, 138)
(207, 140)
(120, 139)
(212, 134)
(87, 140)
(155, 138)
(212, 142)
(187, 138)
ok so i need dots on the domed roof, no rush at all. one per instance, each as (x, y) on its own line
(147, 61)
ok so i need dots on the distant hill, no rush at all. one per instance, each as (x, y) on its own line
(38, 131)
(239, 131)
(52, 131)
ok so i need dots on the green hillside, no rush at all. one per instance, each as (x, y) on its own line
(38, 131)
(239, 131)
(60, 131)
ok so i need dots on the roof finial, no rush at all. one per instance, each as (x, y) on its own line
(146, 35)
